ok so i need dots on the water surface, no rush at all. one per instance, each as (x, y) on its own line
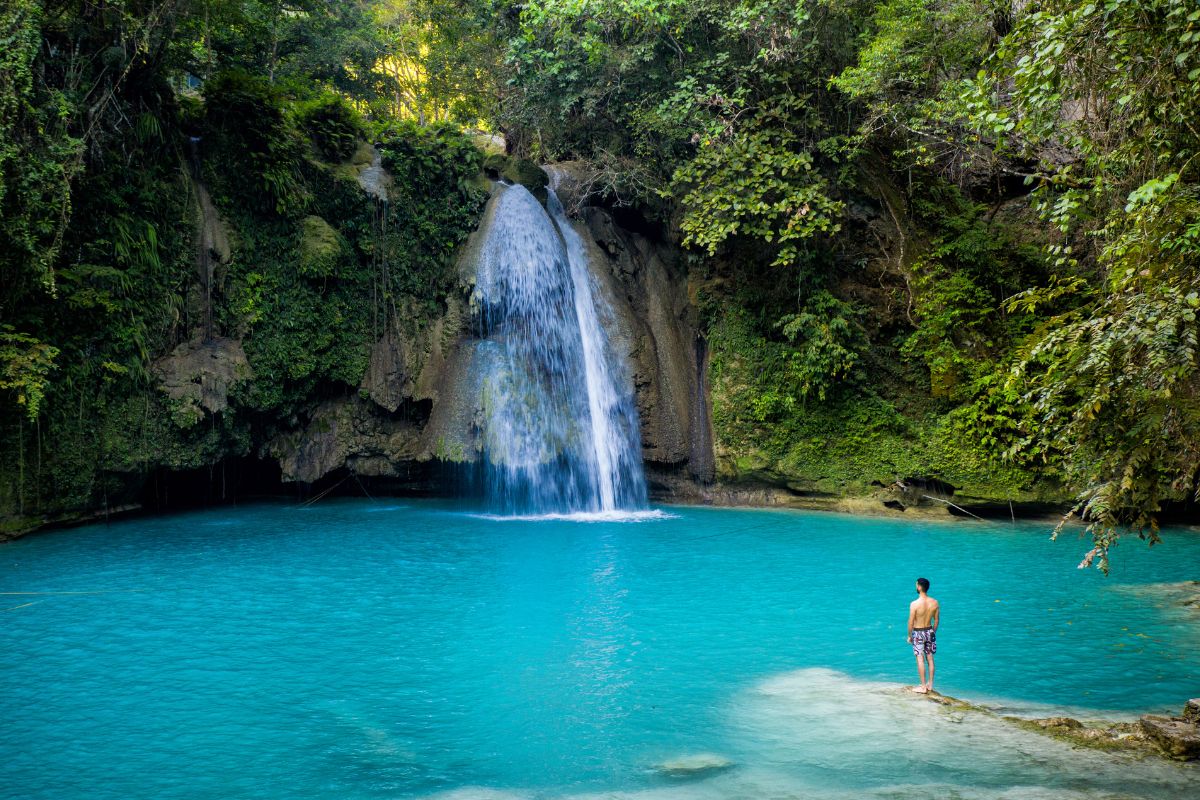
(362, 649)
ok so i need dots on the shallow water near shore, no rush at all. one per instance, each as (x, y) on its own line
(359, 649)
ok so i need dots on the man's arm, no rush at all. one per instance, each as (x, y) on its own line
(937, 616)
(912, 613)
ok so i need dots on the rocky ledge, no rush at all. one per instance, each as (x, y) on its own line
(1176, 738)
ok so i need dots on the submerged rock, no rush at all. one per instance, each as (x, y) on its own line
(1095, 735)
(694, 765)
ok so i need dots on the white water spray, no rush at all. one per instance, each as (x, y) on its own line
(560, 428)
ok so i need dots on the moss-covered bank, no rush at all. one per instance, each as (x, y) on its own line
(211, 298)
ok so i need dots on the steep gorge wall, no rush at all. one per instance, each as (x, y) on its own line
(645, 311)
(406, 414)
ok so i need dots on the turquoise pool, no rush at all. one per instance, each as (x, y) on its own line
(358, 649)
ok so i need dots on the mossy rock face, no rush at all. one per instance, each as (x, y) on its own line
(1101, 735)
(517, 170)
(495, 164)
(320, 247)
(528, 174)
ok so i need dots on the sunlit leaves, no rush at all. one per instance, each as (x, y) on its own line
(25, 365)
(759, 185)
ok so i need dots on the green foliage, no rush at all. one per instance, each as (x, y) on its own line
(247, 123)
(821, 354)
(426, 163)
(1112, 380)
(959, 281)
(441, 62)
(915, 59)
(333, 124)
(829, 345)
(643, 87)
(758, 184)
(25, 365)
(38, 157)
(104, 151)
(850, 441)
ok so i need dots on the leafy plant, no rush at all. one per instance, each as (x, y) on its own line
(25, 365)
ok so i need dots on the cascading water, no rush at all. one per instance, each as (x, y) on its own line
(560, 431)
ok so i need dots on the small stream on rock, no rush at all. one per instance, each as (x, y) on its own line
(559, 429)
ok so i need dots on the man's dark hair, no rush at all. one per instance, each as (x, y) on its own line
(923, 583)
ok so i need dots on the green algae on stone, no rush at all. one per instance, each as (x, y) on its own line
(320, 247)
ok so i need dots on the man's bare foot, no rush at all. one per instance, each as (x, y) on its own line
(920, 690)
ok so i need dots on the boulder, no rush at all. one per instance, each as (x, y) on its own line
(1177, 738)
(197, 375)
(1191, 711)
(386, 373)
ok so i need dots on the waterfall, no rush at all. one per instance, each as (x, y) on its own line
(559, 429)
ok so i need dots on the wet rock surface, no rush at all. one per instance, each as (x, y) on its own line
(346, 433)
(1171, 737)
(198, 375)
(1176, 737)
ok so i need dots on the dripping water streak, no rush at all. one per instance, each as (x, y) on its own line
(601, 392)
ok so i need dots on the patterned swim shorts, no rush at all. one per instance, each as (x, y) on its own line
(924, 641)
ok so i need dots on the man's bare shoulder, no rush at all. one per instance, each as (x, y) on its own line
(933, 602)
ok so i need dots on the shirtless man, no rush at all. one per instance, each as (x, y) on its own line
(923, 618)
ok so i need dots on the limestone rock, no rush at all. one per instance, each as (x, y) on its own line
(575, 183)
(1191, 711)
(653, 316)
(1066, 723)
(346, 433)
(489, 143)
(499, 166)
(367, 165)
(197, 375)
(214, 238)
(1177, 738)
(386, 374)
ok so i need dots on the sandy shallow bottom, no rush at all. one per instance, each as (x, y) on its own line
(816, 733)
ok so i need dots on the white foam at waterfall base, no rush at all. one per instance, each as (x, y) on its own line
(649, 515)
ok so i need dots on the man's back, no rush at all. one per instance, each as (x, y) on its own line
(923, 609)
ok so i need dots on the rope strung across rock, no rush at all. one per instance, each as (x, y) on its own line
(960, 508)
